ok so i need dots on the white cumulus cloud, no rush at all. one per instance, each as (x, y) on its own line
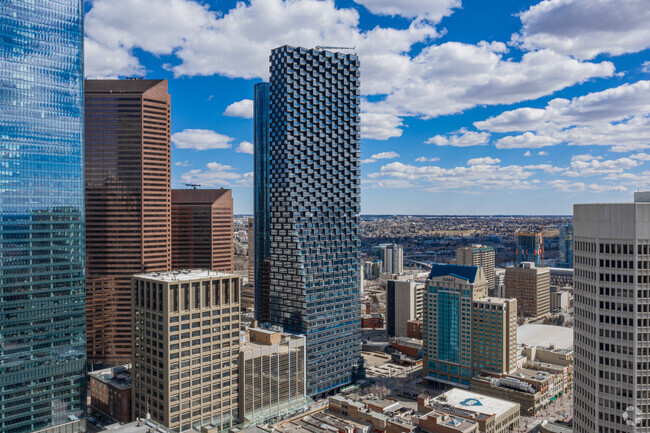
(586, 28)
(462, 138)
(433, 10)
(483, 161)
(245, 147)
(243, 108)
(385, 155)
(201, 139)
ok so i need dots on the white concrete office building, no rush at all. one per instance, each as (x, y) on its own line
(612, 316)
(404, 302)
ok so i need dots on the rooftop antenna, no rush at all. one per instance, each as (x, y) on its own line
(193, 185)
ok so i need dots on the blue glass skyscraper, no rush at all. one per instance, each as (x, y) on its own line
(314, 191)
(261, 221)
(42, 298)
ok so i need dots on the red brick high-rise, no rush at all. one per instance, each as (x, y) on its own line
(202, 229)
(128, 204)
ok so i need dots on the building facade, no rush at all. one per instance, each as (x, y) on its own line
(372, 269)
(531, 286)
(261, 197)
(186, 349)
(251, 251)
(447, 353)
(202, 229)
(42, 286)
(530, 247)
(612, 316)
(314, 199)
(392, 259)
(272, 381)
(128, 204)
(110, 393)
(479, 255)
(566, 247)
(465, 331)
(404, 302)
(494, 335)
(493, 415)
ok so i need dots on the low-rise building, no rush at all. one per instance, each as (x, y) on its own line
(357, 410)
(372, 321)
(400, 425)
(438, 422)
(529, 389)
(415, 329)
(493, 415)
(320, 422)
(272, 380)
(110, 392)
(408, 346)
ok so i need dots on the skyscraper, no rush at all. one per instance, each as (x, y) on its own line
(447, 344)
(262, 220)
(202, 229)
(404, 302)
(612, 295)
(465, 331)
(392, 258)
(530, 285)
(494, 335)
(566, 247)
(529, 247)
(186, 375)
(314, 191)
(479, 255)
(42, 298)
(128, 204)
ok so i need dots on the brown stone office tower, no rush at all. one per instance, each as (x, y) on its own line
(202, 229)
(128, 204)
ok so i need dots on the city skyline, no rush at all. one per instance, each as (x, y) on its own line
(593, 93)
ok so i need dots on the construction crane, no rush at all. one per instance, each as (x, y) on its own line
(192, 185)
(320, 47)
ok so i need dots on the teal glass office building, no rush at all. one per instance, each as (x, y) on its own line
(314, 201)
(42, 299)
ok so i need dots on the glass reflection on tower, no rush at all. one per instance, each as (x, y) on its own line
(42, 312)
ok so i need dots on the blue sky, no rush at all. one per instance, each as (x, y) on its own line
(468, 107)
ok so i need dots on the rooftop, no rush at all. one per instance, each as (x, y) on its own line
(523, 373)
(118, 377)
(138, 427)
(120, 86)
(534, 334)
(295, 340)
(451, 422)
(197, 196)
(465, 272)
(491, 300)
(561, 271)
(473, 402)
(184, 275)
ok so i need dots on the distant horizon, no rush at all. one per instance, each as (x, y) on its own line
(449, 215)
